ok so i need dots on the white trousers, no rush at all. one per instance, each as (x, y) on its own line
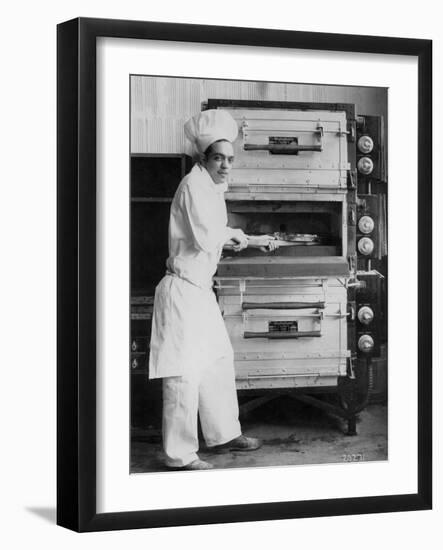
(208, 391)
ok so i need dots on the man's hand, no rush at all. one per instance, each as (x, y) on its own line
(265, 243)
(239, 239)
(270, 246)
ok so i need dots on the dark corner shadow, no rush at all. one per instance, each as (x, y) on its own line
(49, 514)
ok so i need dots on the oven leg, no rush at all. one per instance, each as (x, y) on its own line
(352, 425)
(353, 393)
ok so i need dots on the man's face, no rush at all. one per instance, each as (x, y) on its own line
(219, 161)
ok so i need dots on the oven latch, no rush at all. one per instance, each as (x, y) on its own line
(283, 335)
(282, 305)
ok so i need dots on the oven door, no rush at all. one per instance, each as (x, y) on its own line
(287, 332)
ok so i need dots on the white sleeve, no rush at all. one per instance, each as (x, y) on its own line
(208, 233)
(235, 232)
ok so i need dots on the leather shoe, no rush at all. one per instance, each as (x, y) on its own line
(240, 443)
(196, 464)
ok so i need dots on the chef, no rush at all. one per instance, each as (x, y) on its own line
(190, 348)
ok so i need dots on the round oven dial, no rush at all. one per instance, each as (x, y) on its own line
(365, 144)
(365, 246)
(365, 315)
(366, 224)
(365, 165)
(365, 343)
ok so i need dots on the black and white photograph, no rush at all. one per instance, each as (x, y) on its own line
(258, 274)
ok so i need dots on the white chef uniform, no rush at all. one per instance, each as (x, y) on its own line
(190, 347)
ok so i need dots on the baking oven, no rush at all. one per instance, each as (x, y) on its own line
(302, 317)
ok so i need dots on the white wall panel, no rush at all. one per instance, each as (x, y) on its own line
(161, 105)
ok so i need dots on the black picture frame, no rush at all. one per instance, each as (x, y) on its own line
(76, 273)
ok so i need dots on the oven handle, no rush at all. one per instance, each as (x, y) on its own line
(288, 148)
(283, 335)
(282, 305)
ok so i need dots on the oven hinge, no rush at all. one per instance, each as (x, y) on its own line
(352, 261)
(350, 368)
(352, 179)
(352, 214)
(349, 132)
(353, 281)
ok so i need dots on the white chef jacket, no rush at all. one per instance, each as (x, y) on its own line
(187, 324)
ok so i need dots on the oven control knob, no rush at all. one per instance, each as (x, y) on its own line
(365, 144)
(365, 343)
(365, 315)
(365, 246)
(366, 224)
(365, 165)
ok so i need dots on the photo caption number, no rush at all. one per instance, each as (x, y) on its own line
(358, 457)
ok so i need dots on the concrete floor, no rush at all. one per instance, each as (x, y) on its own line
(293, 433)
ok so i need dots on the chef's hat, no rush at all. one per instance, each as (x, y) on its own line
(209, 126)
